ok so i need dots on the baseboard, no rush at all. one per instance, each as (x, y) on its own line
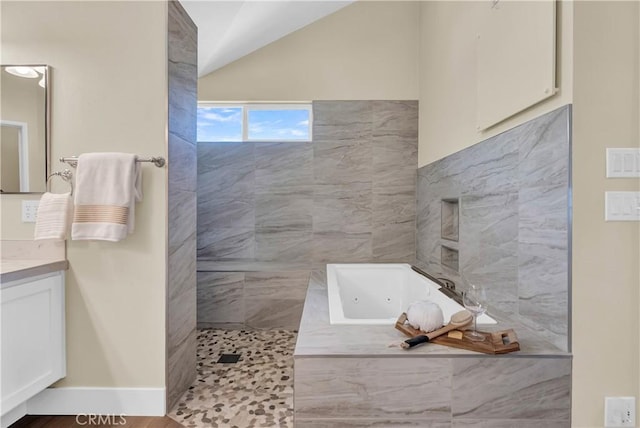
(13, 415)
(99, 401)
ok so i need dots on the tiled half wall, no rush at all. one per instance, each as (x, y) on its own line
(510, 198)
(269, 212)
(181, 285)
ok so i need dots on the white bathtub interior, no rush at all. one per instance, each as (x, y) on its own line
(377, 294)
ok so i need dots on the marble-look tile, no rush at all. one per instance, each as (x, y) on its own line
(277, 285)
(543, 259)
(510, 423)
(182, 164)
(181, 368)
(395, 161)
(283, 213)
(226, 170)
(181, 266)
(370, 423)
(284, 169)
(220, 297)
(341, 121)
(226, 212)
(226, 243)
(278, 245)
(339, 162)
(395, 118)
(342, 190)
(182, 216)
(513, 219)
(341, 247)
(183, 35)
(182, 101)
(345, 214)
(394, 243)
(512, 388)
(275, 299)
(213, 156)
(181, 286)
(181, 318)
(487, 167)
(394, 206)
(489, 245)
(373, 388)
(544, 150)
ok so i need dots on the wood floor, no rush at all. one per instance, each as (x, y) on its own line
(84, 422)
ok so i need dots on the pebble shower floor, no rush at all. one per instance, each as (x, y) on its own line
(257, 391)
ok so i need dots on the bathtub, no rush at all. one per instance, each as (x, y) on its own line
(377, 294)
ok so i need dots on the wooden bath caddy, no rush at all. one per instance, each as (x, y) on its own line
(498, 342)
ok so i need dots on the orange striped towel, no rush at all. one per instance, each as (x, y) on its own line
(54, 216)
(107, 187)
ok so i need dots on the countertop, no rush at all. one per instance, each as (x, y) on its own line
(17, 269)
(317, 337)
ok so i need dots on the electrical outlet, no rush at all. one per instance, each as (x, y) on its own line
(619, 412)
(29, 211)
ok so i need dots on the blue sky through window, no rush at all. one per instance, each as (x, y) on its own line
(222, 123)
(278, 124)
(219, 124)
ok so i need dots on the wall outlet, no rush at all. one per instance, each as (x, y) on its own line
(619, 412)
(622, 206)
(623, 163)
(29, 211)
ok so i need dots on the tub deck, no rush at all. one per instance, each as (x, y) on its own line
(318, 338)
(350, 376)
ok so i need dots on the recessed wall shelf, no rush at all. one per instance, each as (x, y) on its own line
(449, 257)
(450, 215)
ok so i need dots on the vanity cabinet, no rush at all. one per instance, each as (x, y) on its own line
(33, 337)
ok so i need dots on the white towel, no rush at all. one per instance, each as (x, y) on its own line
(107, 187)
(54, 216)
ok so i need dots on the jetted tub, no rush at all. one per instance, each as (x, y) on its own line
(377, 294)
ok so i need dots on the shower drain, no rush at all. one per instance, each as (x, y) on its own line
(229, 358)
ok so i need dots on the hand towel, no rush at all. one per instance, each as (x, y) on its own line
(54, 216)
(107, 187)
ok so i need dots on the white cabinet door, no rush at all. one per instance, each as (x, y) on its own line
(32, 341)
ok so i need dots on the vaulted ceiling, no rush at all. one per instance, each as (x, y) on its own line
(229, 30)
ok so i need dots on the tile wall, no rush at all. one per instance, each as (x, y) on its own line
(269, 212)
(448, 392)
(513, 195)
(181, 283)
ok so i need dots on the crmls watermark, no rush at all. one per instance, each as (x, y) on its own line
(93, 419)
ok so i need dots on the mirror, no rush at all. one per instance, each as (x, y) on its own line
(24, 122)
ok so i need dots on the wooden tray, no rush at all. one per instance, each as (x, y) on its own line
(498, 342)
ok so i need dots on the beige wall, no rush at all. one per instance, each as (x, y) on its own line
(367, 50)
(598, 72)
(448, 31)
(109, 90)
(606, 278)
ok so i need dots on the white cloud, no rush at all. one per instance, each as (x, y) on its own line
(215, 117)
(304, 123)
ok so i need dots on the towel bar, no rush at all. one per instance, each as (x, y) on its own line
(158, 161)
(66, 175)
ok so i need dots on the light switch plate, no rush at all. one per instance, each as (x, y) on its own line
(623, 163)
(622, 206)
(619, 412)
(29, 211)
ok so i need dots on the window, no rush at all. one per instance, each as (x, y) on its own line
(254, 122)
